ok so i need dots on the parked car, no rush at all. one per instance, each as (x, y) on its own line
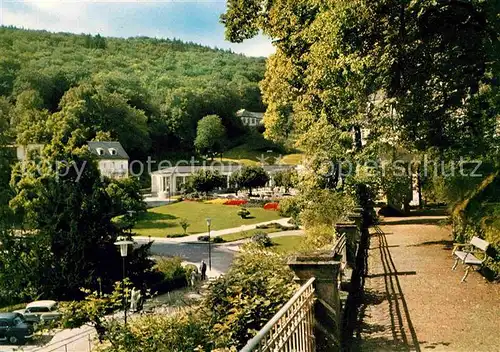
(14, 329)
(40, 311)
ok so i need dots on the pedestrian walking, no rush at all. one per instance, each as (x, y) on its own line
(193, 278)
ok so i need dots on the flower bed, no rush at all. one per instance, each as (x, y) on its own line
(236, 202)
(271, 206)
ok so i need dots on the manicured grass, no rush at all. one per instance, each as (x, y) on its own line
(245, 234)
(242, 154)
(292, 159)
(245, 155)
(164, 220)
(287, 244)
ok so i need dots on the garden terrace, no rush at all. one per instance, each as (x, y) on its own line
(163, 221)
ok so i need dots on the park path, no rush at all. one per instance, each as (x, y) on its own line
(413, 300)
(194, 238)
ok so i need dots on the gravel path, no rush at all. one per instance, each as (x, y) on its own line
(414, 302)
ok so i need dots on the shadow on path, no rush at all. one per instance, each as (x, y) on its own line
(402, 336)
(414, 221)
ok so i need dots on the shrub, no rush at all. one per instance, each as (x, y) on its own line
(194, 196)
(262, 239)
(242, 301)
(243, 213)
(185, 330)
(327, 208)
(184, 223)
(218, 239)
(173, 274)
(290, 207)
(175, 235)
(278, 226)
(319, 237)
(206, 238)
(256, 203)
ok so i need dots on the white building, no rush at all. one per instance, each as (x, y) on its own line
(113, 159)
(170, 181)
(250, 118)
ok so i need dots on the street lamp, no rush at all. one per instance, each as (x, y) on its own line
(209, 223)
(123, 252)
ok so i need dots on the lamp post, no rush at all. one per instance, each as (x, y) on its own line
(209, 223)
(124, 251)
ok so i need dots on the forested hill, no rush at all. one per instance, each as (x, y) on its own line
(147, 93)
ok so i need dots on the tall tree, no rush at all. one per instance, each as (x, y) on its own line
(210, 136)
(412, 72)
(250, 177)
(6, 156)
(67, 212)
(286, 179)
(206, 181)
(351, 64)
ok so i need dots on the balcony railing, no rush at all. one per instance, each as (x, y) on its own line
(292, 328)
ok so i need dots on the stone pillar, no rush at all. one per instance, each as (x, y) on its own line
(326, 271)
(352, 233)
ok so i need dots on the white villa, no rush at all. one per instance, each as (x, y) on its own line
(170, 181)
(113, 159)
(250, 118)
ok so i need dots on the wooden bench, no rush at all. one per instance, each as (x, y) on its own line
(468, 254)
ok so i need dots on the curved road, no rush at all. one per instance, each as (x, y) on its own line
(191, 252)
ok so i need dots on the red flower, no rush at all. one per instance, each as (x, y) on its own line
(271, 206)
(235, 202)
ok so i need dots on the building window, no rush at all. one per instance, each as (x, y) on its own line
(100, 151)
(112, 151)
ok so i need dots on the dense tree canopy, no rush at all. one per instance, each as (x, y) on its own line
(66, 212)
(419, 71)
(147, 93)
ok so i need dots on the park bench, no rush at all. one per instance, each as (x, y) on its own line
(468, 254)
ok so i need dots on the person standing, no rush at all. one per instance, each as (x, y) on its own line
(203, 270)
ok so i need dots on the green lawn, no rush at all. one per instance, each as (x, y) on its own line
(244, 154)
(158, 222)
(287, 244)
